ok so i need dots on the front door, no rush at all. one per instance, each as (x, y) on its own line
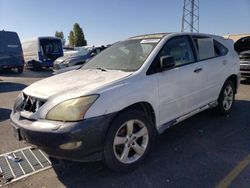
(180, 88)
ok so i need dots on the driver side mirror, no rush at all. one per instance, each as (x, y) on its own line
(166, 62)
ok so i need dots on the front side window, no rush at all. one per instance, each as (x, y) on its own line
(180, 49)
(127, 55)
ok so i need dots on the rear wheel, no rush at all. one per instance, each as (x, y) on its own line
(226, 98)
(128, 141)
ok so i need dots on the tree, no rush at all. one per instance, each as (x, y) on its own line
(60, 35)
(71, 38)
(79, 38)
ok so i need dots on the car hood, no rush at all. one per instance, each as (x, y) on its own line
(76, 82)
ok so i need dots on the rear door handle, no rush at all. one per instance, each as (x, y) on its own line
(198, 70)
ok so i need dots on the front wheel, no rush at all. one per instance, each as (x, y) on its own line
(226, 98)
(128, 141)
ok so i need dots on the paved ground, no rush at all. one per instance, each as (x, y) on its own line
(204, 151)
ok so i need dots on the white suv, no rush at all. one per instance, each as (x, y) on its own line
(112, 108)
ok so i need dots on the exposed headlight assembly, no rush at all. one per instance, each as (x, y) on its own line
(72, 109)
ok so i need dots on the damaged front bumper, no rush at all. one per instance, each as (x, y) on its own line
(76, 141)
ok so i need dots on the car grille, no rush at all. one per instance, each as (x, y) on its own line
(31, 104)
(245, 57)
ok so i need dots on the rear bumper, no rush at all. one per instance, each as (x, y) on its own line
(90, 132)
(245, 69)
(10, 65)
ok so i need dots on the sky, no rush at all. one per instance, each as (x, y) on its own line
(108, 21)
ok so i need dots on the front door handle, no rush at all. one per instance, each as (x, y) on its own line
(197, 70)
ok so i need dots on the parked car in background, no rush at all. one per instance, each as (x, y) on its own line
(68, 51)
(112, 108)
(42, 51)
(11, 53)
(78, 58)
(242, 46)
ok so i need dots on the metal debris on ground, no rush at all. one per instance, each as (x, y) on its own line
(21, 163)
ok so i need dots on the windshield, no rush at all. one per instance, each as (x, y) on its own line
(127, 55)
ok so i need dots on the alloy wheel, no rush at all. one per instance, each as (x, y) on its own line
(131, 141)
(228, 97)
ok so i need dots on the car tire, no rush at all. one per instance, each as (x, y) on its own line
(226, 98)
(137, 135)
(20, 70)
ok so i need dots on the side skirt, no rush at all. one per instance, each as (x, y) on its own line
(185, 116)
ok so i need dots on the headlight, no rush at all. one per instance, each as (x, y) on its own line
(72, 109)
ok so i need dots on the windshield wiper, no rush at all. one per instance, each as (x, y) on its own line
(102, 69)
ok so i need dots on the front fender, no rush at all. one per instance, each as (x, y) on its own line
(118, 97)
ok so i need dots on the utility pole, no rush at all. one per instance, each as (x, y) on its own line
(190, 16)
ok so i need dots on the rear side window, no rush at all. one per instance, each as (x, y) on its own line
(219, 48)
(209, 48)
(205, 48)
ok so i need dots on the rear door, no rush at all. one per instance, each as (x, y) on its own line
(212, 57)
(11, 50)
(179, 87)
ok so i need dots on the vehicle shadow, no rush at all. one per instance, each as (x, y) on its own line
(28, 73)
(4, 114)
(198, 152)
(11, 86)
